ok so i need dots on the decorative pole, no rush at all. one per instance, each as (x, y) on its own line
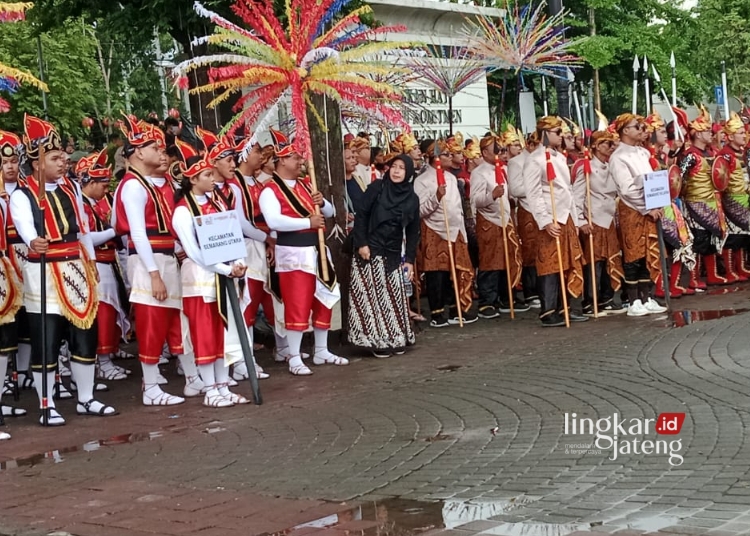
(673, 65)
(657, 80)
(647, 84)
(636, 68)
(544, 96)
(725, 89)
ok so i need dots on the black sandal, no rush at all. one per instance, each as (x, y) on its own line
(88, 411)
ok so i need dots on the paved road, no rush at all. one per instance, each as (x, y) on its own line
(469, 426)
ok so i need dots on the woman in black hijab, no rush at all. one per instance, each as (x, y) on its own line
(386, 234)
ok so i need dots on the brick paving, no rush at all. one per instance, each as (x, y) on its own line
(463, 435)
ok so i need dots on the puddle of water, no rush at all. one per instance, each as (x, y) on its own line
(449, 368)
(685, 318)
(56, 456)
(388, 517)
(654, 523)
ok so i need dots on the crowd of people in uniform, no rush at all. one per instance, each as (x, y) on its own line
(506, 221)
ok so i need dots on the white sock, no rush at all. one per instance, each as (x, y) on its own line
(105, 361)
(84, 378)
(188, 364)
(221, 373)
(23, 357)
(321, 342)
(207, 373)
(150, 375)
(3, 370)
(294, 339)
(50, 384)
(281, 343)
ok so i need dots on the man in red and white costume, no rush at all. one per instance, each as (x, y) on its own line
(17, 252)
(260, 253)
(143, 210)
(288, 206)
(112, 318)
(220, 156)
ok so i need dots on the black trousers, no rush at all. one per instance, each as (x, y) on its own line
(82, 342)
(439, 291)
(736, 241)
(702, 242)
(529, 282)
(549, 294)
(636, 272)
(13, 333)
(604, 291)
(492, 287)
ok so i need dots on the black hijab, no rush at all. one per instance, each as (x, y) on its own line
(397, 200)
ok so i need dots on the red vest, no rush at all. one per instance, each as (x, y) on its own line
(10, 228)
(98, 222)
(300, 205)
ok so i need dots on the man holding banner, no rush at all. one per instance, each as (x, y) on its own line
(628, 166)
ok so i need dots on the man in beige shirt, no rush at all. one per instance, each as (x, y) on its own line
(628, 166)
(490, 200)
(546, 168)
(602, 193)
(438, 204)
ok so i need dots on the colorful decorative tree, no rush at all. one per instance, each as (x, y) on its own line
(311, 52)
(448, 69)
(10, 78)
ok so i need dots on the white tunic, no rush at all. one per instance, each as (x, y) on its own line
(538, 188)
(255, 245)
(627, 166)
(482, 184)
(431, 210)
(603, 195)
(515, 179)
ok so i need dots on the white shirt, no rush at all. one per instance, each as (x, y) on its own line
(248, 229)
(99, 237)
(627, 166)
(538, 191)
(603, 195)
(184, 225)
(23, 217)
(431, 210)
(482, 184)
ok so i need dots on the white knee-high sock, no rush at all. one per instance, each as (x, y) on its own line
(294, 338)
(50, 385)
(150, 375)
(3, 370)
(321, 339)
(207, 373)
(221, 373)
(188, 364)
(281, 342)
(84, 378)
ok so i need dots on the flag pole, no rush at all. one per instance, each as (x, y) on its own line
(41, 231)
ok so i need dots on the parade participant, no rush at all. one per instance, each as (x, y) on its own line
(703, 213)
(288, 206)
(607, 254)
(143, 210)
(360, 146)
(266, 164)
(70, 269)
(735, 200)
(527, 229)
(213, 330)
(12, 291)
(472, 159)
(440, 200)
(112, 317)
(628, 165)
(17, 333)
(677, 140)
(355, 184)
(406, 143)
(546, 168)
(678, 241)
(487, 195)
(378, 306)
(571, 140)
(455, 145)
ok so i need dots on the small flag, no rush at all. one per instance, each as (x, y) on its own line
(499, 171)
(373, 173)
(586, 163)
(550, 168)
(652, 159)
(440, 173)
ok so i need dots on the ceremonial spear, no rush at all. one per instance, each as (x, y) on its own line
(636, 68)
(587, 176)
(647, 84)
(544, 96)
(725, 89)
(42, 232)
(500, 181)
(673, 65)
(657, 80)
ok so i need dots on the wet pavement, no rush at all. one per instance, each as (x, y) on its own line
(463, 435)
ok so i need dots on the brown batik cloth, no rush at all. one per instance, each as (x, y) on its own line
(572, 257)
(433, 256)
(492, 248)
(528, 230)
(606, 248)
(639, 238)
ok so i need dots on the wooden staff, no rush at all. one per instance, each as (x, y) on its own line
(587, 175)
(321, 232)
(507, 261)
(563, 288)
(454, 274)
(41, 231)
(417, 288)
(500, 180)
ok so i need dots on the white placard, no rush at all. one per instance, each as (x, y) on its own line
(656, 189)
(220, 237)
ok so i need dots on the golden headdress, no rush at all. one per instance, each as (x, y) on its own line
(734, 125)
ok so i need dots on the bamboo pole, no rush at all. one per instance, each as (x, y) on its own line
(563, 288)
(454, 273)
(507, 260)
(594, 296)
